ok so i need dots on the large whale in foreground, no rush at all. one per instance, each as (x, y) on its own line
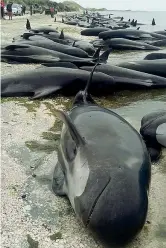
(104, 175)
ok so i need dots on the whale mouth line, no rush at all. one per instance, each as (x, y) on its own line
(95, 202)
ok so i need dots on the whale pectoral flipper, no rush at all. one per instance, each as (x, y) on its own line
(77, 138)
(141, 47)
(58, 181)
(45, 91)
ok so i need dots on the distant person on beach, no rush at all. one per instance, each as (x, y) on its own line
(52, 12)
(23, 9)
(31, 8)
(9, 10)
(2, 9)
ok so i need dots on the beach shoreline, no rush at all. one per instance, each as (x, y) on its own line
(32, 216)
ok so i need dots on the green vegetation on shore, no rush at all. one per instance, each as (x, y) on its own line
(73, 6)
(68, 6)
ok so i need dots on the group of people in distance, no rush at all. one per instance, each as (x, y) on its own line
(9, 9)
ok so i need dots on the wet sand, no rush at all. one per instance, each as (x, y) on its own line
(32, 216)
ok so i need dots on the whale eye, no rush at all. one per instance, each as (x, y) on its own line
(71, 150)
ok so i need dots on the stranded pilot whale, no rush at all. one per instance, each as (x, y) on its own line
(104, 169)
(153, 131)
(44, 82)
(155, 67)
(28, 54)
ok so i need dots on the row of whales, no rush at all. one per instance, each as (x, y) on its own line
(114, 214)
(97, 20)
(36, 48)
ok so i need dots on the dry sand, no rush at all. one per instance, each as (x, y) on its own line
(32, 216)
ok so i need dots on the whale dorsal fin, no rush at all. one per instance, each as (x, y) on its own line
(97, 53)
(62, 35)
(103, 58)
(83, 96)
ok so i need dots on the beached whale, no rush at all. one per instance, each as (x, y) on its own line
(93, 31)
(16, 52)
(41, 36)
(125, 33)
(158, 36)
(44, 82)
(161, 32)
(85, 46)
(153, 131)
(45, 30)
(52, 36)
(73, 22)
(125, 44)
(160, 43)
(124, 73)
(124, 78)
(51, 45)
(155, 67)
(153, 56)
(112, 175)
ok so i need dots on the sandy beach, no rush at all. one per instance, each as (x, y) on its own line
(32, 216)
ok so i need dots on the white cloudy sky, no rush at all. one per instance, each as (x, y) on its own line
(124, 4)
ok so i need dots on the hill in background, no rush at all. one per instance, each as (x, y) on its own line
(73, 6)
(67, 6)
